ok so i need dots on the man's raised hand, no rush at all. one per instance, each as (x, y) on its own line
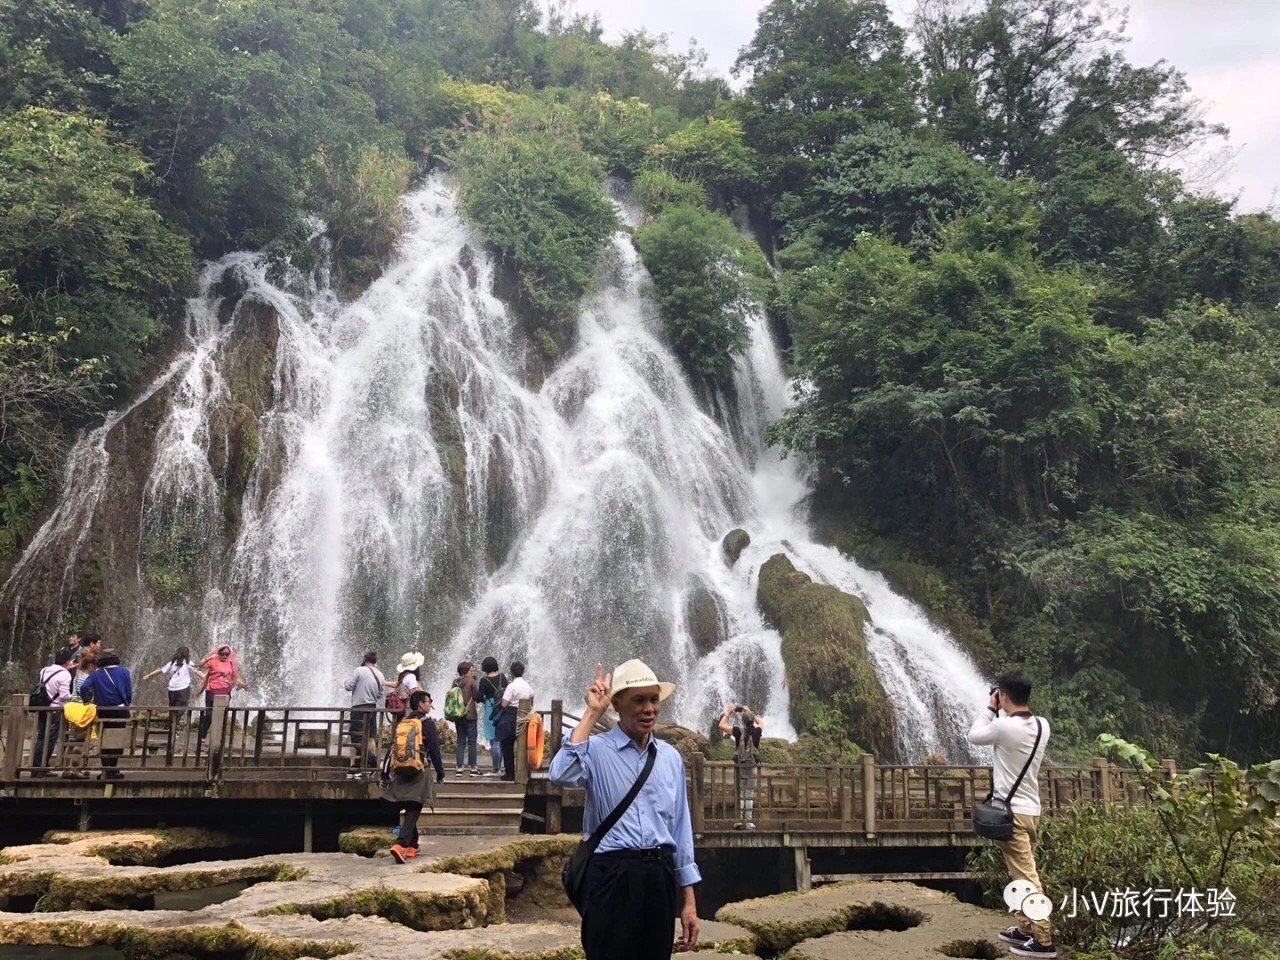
(599, 692)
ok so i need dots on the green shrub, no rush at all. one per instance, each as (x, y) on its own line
(705, 277)
(540, 202)
(658, 189)
(709, 151)
(1211, 828)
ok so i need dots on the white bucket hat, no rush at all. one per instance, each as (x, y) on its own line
(410, 661)
(636, 673)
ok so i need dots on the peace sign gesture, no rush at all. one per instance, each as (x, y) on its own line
(600, 690)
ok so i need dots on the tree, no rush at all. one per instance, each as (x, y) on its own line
(817, 71)
(81, 239)
(1008, 78)
(904, 185)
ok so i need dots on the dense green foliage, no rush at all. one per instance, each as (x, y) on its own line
(540, 203)
(706, 278)
(1046, 369)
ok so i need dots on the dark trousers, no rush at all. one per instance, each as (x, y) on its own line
(509, 757)
(113, 719)
(409, 824)
(630, 909)
(466, 750)
(361, 728)
(48, 726)
(206, 715)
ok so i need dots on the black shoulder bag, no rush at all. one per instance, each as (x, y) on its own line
(574, 875)
(993, 818)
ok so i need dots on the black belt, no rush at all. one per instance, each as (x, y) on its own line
(663, 854)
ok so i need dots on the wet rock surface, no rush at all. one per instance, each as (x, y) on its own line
(448, 903)
(869, 921)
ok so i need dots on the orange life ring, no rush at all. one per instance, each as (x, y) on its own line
(536, 741)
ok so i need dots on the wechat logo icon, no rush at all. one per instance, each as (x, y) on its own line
(1021, 896)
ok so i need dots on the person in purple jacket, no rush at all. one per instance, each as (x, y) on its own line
(110, 688)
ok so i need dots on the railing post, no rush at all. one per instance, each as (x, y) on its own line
(869, 794)
(258, 734)
(804, 873)
(697, 813)
(1104, 780)
(1171, 776)
(15, 736)
(216, 728)
(555, 731)
(522, 742)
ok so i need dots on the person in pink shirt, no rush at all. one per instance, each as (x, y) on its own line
(224, 676)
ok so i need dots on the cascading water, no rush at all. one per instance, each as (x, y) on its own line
(412, 491)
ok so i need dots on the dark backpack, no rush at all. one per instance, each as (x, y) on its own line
(39, 696)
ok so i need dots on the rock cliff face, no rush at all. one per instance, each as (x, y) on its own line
(824, 646)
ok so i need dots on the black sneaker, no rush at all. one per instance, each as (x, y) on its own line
(1015, 936)
(1034, 949)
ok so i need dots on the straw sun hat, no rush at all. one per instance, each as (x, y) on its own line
(636, 673)
(410, 661)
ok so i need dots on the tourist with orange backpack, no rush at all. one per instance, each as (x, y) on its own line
(406, 779)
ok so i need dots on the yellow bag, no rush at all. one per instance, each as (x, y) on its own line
(79, 716)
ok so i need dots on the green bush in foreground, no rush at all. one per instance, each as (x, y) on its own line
(1209, 828)
(540, 202)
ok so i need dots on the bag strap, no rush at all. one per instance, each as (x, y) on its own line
(1026, 766)
(609, 822)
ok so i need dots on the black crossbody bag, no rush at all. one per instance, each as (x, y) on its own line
(574, 875)
(993, 818)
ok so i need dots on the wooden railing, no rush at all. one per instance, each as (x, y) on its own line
(160, 744)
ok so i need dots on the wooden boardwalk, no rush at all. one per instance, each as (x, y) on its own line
(306, 754)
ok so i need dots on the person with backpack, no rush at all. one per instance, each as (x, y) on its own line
(509, 719)
(110, 688)
(52, 689)
(745, 727)
(460, 710)
(408, 679)
(490, 690)
(406, 779)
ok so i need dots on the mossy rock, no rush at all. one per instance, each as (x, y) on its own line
(705, 618)
(734, 542)
(156, 943)
(824, 647)
(417, 909)
(365, 841)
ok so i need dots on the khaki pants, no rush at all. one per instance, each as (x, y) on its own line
(1020, 861)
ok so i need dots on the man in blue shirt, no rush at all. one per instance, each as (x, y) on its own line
(642, 874)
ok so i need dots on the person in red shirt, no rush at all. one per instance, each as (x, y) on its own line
(224, 676)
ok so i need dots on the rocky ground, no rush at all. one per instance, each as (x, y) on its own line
(464, 898)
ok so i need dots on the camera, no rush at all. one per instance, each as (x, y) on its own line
(739, 708)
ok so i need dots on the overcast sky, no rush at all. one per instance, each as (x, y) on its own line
(1227, 49)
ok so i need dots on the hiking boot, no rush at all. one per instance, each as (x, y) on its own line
(750, 826)
(1033, 949)
(398, 853)
(1014, 935)
(738, 826)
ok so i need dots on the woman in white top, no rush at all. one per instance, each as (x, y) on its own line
(408, 679)
(179, 670)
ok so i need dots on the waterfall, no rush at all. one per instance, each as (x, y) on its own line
(415, 488)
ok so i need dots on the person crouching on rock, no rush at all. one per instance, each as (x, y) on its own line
(406, 779)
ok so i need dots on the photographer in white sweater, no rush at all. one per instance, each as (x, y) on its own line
(1013, 737)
